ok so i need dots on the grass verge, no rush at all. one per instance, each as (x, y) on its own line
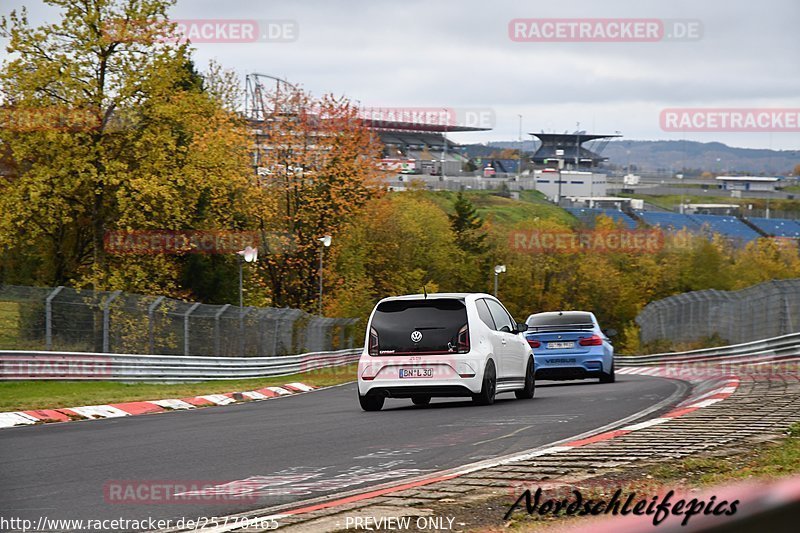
(22, 395)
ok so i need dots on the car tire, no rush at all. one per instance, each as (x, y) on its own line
(489, 386)
(530, 383)
(371, 402)
(608, 377)
(421, 400)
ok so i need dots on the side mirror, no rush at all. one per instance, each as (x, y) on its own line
(520, 327)
(611, 332)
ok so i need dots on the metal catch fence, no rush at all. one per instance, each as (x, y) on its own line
(769, 309)
(66, 319)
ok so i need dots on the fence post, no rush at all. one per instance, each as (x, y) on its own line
(48, 317)
(275, 336)
(107, 319)
(219, 313)
(186, 327)
(151, 309)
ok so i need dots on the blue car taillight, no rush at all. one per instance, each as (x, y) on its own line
(594, 340)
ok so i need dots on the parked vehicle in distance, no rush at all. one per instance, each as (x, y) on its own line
(443, 345)
(570, 345)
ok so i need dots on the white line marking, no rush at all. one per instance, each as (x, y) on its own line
(502, 437)
(646, 424)
(706, 403)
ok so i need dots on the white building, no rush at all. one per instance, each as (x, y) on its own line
(573, 183)
(748, 183)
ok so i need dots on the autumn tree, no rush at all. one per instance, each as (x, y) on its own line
(468, 226)
(320, 166)
(396, 245)
(127, 137)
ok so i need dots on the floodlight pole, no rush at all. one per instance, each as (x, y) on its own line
(444, 141)
(321, 251)
(249, 255)
(497, 270)
(519, 154)
(326, 241)
(558, 196)
(241, 291)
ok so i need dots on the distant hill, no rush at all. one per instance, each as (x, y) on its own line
(690, 157)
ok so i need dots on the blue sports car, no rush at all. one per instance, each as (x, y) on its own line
(570, 345)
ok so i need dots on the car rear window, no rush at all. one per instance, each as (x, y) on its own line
(562, 321)
(438, 320)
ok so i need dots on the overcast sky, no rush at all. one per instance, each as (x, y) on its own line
(458, 54)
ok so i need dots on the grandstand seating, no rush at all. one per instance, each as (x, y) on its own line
(728, 226)
(725, 225)
(779, 227)
(588, 215)
(669, 221)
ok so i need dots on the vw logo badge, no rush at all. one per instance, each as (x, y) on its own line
(416, 336)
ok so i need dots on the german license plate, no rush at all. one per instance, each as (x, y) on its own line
(560, 345)
(416, 372)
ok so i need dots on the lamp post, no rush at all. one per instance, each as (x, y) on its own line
(326, 242)
(444, 140)
(560, 155)
(498, 269)
(248, 255)
(519, 162)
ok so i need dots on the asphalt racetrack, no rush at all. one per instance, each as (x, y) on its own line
(295, 448)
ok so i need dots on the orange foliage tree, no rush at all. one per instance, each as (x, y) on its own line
(319, 166)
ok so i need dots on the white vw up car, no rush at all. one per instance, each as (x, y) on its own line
(420, 346)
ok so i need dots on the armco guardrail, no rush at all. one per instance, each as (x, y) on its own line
(783, 347)
(43, 365)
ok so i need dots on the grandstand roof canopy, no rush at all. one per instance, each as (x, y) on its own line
(418, 126)
(571, 146)
(570, 138)
(712, 206)
(746, 178)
